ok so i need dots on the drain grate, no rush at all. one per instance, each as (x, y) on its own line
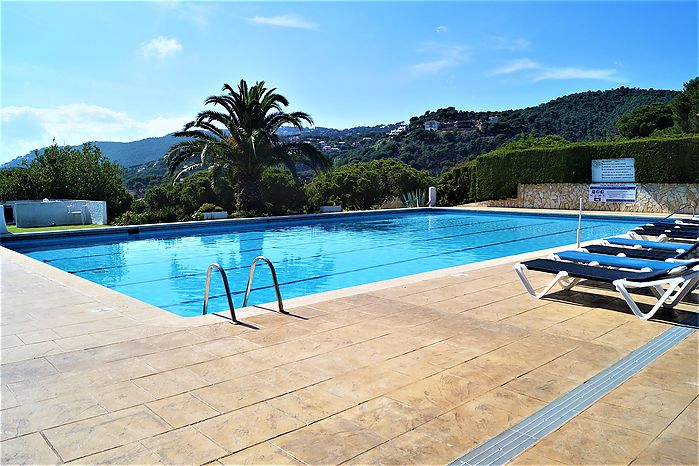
(515, 440)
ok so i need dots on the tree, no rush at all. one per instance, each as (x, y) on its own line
(685, 108)
(644, 120)
(68, 173)
(241, 141)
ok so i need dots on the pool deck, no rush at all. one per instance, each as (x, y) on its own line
(412, 371)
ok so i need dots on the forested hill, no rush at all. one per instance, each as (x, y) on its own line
(585, 116)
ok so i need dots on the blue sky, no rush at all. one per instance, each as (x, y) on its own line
(123, 71)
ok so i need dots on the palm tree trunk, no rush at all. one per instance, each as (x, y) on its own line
(250, 196)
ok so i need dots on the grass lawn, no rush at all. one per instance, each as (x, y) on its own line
(14, 229)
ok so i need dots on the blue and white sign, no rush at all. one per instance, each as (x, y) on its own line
(613, 171)
(612, 193)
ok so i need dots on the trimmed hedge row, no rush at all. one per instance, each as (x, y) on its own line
(496, 175)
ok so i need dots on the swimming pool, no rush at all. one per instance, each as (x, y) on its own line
(167, 268)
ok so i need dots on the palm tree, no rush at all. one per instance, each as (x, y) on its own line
(241, 141)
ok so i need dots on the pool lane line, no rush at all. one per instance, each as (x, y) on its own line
(386, 244)
(301, 280)
(336, 253)
(515, 440)
(241, 241)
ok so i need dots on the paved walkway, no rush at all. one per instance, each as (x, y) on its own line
(413, 374)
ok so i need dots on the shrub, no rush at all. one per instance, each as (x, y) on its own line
(496, 175)
(366, 184)
(281, 193)
(208, 207)
(68, 173)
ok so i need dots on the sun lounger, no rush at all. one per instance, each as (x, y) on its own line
(679, 281)
(687, 251)
(615, 261)
(641, 243)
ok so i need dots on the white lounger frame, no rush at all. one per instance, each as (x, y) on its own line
(678, 287)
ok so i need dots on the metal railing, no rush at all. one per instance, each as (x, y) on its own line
(225, 284)
(694, 210)
(274, 279)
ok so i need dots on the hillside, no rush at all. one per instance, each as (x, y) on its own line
(586, 116)
(126, 154)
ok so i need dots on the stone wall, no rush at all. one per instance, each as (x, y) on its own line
(651, 197)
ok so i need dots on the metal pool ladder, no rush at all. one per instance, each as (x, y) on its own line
(225, 284)
(274, 279)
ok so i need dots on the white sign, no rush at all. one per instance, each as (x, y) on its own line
(613, 171)
(612, 193)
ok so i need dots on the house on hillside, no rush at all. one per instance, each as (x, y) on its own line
(431, 125)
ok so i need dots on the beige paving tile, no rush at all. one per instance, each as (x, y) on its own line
(182, 410)
(184, 446)
(479, 420)
(385, 417)
(101, 433)
(223, 347)
(176, 358)
(532, 459)
(25, 370)
(38, 336)
(412, 447)
(437, 394)
(541, 385)
(341, 440)
(228, 368)
(133, 453)
(35, 417)
(365, 383)
(248, 426)
(264, 453)
(583, 441)
(650, 400)
(122, 395)
(670, 449)
(628, 418)
(686, 425)
(310, 404)
(8, 341)
(164, 384)
(234, 394)
(416, 368)
(29, 449)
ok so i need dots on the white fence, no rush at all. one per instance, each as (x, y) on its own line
(58, 212)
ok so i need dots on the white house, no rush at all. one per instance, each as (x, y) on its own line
(431, 125)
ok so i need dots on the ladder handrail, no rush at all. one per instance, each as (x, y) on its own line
(274, 279)
(225, 284)
(694, 210)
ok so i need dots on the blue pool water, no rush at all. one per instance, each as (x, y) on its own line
(167, 268)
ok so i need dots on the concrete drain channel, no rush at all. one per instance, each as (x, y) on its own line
(515, 440)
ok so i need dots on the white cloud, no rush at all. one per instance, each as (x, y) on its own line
(74, 124)
(441, 29)
(539, 72)
(160, 47)
(578, 73)
(286, 21)
(517, 65)
(504, 43)
(442, 58)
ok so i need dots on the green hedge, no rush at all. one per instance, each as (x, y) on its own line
(496, 175)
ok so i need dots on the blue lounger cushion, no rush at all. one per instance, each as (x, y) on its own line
(678, 247)
(615, 261)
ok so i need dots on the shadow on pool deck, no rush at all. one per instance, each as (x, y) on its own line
(417, 373)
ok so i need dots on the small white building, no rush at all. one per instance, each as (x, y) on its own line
(492, 119)
(42, 213)
(431, 125)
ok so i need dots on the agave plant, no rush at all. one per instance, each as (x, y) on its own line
(241, 141)
(417, 198)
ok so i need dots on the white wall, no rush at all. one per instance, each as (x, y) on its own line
(47, 213)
